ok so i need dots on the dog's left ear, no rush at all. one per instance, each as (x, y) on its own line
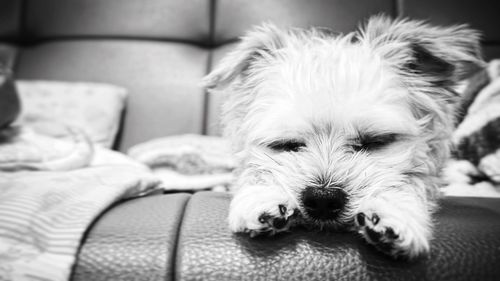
(440, 55)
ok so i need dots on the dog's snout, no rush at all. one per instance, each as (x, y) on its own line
(323, 203)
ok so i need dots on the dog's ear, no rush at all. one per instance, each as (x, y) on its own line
(441, 55)
(257, 44)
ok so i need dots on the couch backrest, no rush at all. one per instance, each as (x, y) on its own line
(160, 49)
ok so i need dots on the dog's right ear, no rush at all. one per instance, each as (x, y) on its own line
(258, 44)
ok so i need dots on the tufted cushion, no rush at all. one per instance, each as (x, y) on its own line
(466, 247)
(153, 19)
(10, 11)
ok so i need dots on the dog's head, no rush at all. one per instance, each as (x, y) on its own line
(333, 119)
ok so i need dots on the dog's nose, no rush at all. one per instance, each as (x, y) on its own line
(323, 203)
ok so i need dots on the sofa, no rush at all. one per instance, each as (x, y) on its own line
(159, 50)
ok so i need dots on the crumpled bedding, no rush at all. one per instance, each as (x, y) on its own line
(48, 202)
(475, 167)
(28, 148)
(57, 177)
(188, 162)
(43, 215)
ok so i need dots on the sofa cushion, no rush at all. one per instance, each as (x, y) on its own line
(154, 19)
(10, 12)
(466, 247)
(163, 80)
(135, 240)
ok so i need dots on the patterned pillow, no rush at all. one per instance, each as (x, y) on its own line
(94, 108)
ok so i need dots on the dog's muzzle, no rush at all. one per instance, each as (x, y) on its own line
(323, 203)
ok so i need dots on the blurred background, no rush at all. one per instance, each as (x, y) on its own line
(160, 49)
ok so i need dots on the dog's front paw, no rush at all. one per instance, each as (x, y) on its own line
(261, 210)
(392, 233)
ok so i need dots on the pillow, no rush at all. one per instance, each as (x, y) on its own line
(92, 107)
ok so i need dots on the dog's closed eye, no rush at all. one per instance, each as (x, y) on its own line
(286, 145)
(373, 142)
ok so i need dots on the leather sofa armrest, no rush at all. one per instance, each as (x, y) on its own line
(134, 240)
(466, 246)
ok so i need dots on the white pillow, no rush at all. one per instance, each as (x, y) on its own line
(92, 107)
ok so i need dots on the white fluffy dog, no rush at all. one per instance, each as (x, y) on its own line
(343, 131)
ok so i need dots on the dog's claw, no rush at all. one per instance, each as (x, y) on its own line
(360, 219)
(368, 226)
(282, 209)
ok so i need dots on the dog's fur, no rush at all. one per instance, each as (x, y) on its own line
(368, 113)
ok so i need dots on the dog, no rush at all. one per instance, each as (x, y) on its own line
(343, 131)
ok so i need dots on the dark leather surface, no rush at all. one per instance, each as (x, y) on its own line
(134, 240)
(466, 247)
(162, 78)
(234, 17)
(155, 19)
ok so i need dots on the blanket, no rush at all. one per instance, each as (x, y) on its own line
(188, 162)
(475, 167)
(28, 148)
(43, 215)
(56, 176)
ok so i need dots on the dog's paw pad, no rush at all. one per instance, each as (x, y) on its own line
(271, 219)
(393, 231)
(275, 222)
(380, 233)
